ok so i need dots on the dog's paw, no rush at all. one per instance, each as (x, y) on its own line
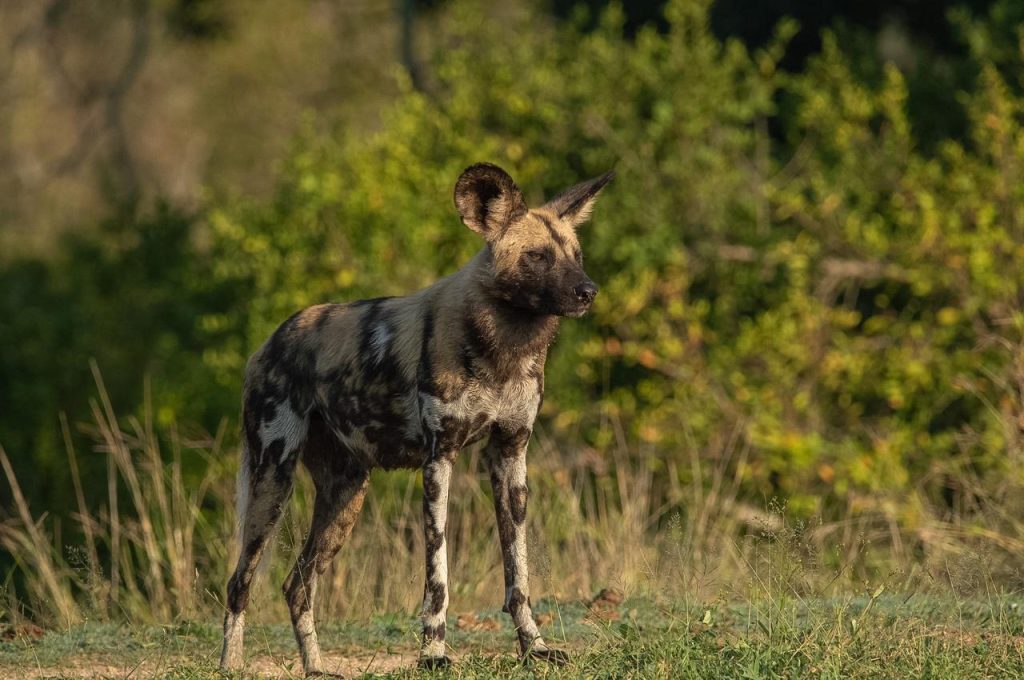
(552, 656)
(434, 663)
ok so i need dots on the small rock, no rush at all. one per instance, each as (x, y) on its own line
(608, 597)
(605, 605)
(471, 622)
(29, 631)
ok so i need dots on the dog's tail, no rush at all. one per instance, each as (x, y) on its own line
(243, 488)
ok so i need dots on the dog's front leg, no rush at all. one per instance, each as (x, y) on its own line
(437, 472)
(507, 461)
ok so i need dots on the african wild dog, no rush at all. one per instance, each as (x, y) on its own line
(408, 382)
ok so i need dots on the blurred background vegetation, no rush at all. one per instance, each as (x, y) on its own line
(810, 261)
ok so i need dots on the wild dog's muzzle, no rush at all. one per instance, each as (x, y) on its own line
(583, 294)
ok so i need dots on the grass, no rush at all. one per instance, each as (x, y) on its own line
(713, 586)
(864, 637)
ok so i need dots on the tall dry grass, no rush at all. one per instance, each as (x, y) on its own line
(161, 547)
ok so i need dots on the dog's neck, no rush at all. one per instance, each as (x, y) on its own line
(510, 338)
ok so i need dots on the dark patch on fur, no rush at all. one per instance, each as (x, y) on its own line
(516, 600)
(238, 595)
(254, 546)
(477, 429)
(295, 591)
(431, 633)
(368, 323)
(517, 496)
(506, 526)
(510, 444)
(476, 343)
(259, 406)
(324, 316)
(274, 451)
(431, 488)
(293, 363)
(468, 361)
(369, 301)
(378, 412)
(437, 590)
(455, 432)
(278, 345)
(337, 385)
(331, 464)
(552, 232)
(434, 539)
(385, 431)
(272, 460)
(519, 439)
(501, 337)
(425, 379)
(283, 475)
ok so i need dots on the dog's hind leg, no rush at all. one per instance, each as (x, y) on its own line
(265, 482)
(341, 482)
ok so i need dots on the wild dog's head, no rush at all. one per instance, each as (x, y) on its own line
(537, 264)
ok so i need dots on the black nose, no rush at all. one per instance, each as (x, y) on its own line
(586, 292)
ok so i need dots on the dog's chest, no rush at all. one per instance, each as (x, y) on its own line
(511, 405)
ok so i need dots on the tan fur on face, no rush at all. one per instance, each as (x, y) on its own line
(537, 230)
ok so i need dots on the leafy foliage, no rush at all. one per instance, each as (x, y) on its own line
(785, 271)
(848, 308)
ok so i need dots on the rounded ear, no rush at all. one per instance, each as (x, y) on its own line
(575, 204)
(488, 200)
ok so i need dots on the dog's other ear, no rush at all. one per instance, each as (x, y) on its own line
(488, 200)
(575, 204)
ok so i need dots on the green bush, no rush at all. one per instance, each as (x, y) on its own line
(840, 301)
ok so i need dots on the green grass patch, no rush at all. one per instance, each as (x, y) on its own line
(865, 637)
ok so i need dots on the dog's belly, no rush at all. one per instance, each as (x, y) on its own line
(378, 426)
(403, 430)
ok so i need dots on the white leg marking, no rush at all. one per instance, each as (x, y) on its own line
(436, 478)
(309, 646)
(234, 628)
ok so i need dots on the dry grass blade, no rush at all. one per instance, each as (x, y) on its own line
(51, 581)
(86, 522)
(595, 521)
(114, 444)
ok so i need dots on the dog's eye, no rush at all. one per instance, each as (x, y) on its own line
(535, 256)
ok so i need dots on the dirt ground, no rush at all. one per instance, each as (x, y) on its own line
(263, 666)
